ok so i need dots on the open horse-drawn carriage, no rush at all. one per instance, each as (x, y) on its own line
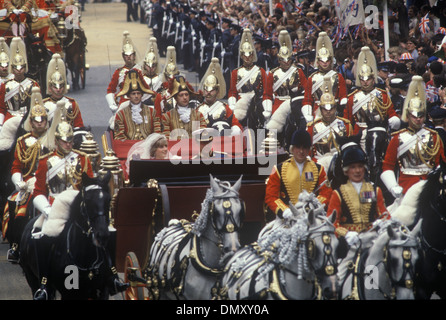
(159, 191)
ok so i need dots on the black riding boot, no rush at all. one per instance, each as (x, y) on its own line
(114, 283)
(43, 249)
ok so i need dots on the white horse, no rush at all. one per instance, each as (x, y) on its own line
(186, 259)
(382, 265)
(294, 260)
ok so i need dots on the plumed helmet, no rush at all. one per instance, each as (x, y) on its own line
(301, 138)
(170, 69)
(324, 48)
(415, 102)
(134, 81)
(366, 66)
(56, 74)
(286, 46)
(127, 44)
(247, 44)
(64, 131)
(152, 55)
(18, 57)
(37, 110)
(327, 100)
(213, 78)
(353, 154)
(4, 53)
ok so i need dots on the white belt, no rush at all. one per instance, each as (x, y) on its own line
(415, 172)
(282, 97)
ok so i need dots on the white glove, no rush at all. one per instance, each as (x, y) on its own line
(394, 123)
(352, 238)
(21, 186)
(287, 213)
(41, 203)
(267, 108)
(110, 97)
(389, 180)
(396, 191)
(17, 180)
(307, 112)
(231, 102)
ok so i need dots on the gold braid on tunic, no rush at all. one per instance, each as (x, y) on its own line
(359, 211)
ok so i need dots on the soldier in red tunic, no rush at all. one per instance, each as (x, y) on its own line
(415, 150)
(294, 175)
(117, 80)
(313, 90)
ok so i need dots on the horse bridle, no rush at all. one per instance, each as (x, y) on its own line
(84, 210)
(229, 225)
(329, 263)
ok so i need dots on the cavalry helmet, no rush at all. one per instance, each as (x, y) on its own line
(324, 47)
(286, 46)
(170, 69)
(415, 102)
(18, 57)
(56, 74)
(247, 44)
(327, 100)
(152, 55)
(127, 44)
(4, 53)
(367, 67)
(37, 110)
(213, 79)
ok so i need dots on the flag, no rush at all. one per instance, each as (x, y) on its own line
(424, 24)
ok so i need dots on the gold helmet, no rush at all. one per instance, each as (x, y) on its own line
(127, 44)
(56, 74)
(324, 48)
(213, 78)
(415, 102)
(286, 46)
(170, 69)
(152, 55)
(18, 57)
(4, 53)
(134, 81)
(64, 131)
(247, 45)
(366, 66)
(37, 110)
(327, 100)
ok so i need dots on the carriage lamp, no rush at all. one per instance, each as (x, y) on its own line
(110, 163)
(270, 144)
(91, 148)
(61, 30)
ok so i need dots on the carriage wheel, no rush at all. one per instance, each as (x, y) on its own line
(135, 291)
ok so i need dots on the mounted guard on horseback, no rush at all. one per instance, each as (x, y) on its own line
(64, 169)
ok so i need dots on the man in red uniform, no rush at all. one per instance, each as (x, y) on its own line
(58, 171)
(415, 150)
(56, 91)
(313, 91)
(326, 128)
(357, 203)
(294, 175)
(287, 83)
(370, 103)
(134, 119)
(218, 115)
(248, 94)
(26, 158)
(116, 83)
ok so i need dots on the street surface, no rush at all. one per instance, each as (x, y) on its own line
(104, 24)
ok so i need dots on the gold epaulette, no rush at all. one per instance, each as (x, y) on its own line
(344, 119)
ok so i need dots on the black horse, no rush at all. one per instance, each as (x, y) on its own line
(38, 58)
(75, 47)
(79, 252)
(432, 209)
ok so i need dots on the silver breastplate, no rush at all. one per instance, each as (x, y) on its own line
(18, 104)
(417, 160)
(319, 78)
(67, 176)
(327, 143)
(288, 84)
(369, 111)
(253, 83)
